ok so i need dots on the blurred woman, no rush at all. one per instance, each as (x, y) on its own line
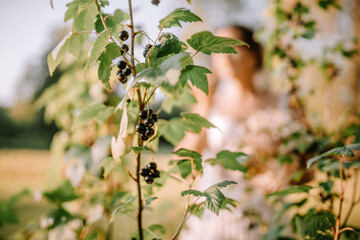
(251, 120)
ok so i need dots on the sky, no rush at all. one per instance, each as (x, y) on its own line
(26, 28)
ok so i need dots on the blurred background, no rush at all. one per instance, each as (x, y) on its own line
(31, 29)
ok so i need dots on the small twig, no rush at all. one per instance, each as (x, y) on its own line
(353, 201)
(138, 162)
(349, 229)
(145, 34)
(191, 56)
(341, 198)
(151, 94)
(150, 51)
(179, 178)
(102, 18)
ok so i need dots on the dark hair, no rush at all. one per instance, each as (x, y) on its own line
(247, 35)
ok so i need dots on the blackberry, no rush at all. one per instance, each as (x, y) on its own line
(127, 71)
(144, 137)
(149, 122)
(124, 48)
(144, 172)
(155, 174)
(149, 132)
(124, 35)
(154, 117)
(121, 64)
(151, 166)
(122, 77)
(141, 128)
(149, 180)
(143, 114)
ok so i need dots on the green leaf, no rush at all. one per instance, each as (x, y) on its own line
(177, 16)
(183, 167)
(7, 213)
(113, 22)
(172, 130)
(91, 112)
(112, 51)
(148, 201)
(274, 233)
(196, 193)
(207, 43)
(99, 47)
(138, 150)
(169, 44)
(230, 160)
(287, 206)
(157, 228)
(339, 151)
(214, 197)
(185, 98)
(57, 55)
(194, 122)
(197, 76)
(327, 186)
(182, 152)
(64, 193)
(189, 1)
(292, 189)
(318, 228)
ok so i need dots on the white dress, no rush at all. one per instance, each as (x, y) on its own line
(260, 131)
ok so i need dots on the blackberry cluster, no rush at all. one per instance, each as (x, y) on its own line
(124, 72)
(147, 47)
(150, 172)
(145, 128)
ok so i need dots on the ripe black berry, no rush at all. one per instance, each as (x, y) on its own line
(155, 2)
(150, 111)
(119, 72)
(124, 35)
(145, 53)
(149, 122)
(127, 71)
(149, 132)
(141, 128)
(149, 179)
(151, 166)
(148, 46)
(121, 64)
(155, 174)
(122, 78)
(154, 117)
(144, 172)
(144, 137)
(143, 114)
(125, 48)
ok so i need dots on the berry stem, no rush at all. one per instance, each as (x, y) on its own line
(138, 162)
(132, 36)
(102, 18)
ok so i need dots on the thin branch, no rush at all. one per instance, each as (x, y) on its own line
(102, 18)
(151, 94)
(341, 198)
(132, 37)
(349, 229)
(138, 162)
(353, 201)
(182, 222)
(150, 51)
(191, 56)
